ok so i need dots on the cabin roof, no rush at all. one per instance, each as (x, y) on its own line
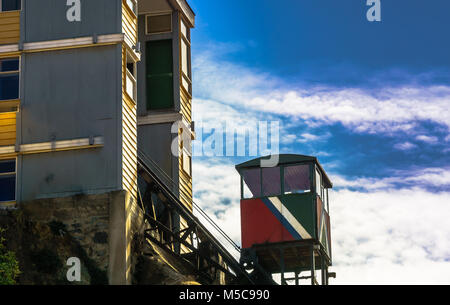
(288, 159)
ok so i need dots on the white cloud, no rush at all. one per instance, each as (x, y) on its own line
(405, 146)
(427, 139)
(438, 177)
(398, 109)
(390, 236)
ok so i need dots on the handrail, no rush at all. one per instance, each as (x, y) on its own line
(187, 214)
(194, 204)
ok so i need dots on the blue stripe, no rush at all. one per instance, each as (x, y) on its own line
(281, 218)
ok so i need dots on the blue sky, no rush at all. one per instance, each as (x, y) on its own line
(371, 100)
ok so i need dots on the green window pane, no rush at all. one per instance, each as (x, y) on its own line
(159, 75)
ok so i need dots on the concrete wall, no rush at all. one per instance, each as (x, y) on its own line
(103, 224)
(44, 20)
(70, 94)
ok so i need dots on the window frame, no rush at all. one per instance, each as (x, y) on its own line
(158, 14)
(282, 167)
(135, 10)
(132, 77)
(186, 39)
(310, 165)
(18, 72)
(2, 11)
(185, 153)
(15, 178)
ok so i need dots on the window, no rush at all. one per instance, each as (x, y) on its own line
(157, 24)
(9, 78)
(296, 179)
(319, 184)
(159, 78)
(131, 78)
(132, 5)
(7, 180)
(9, 5)
(187, 162)
(271, 181)
(185, 57)
(252, 183)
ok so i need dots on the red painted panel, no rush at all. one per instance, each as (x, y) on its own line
(259, 225)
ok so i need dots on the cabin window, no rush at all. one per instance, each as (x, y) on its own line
(251, 183)
(319, 187)
(185, 57)
(158, 24)
(296, 179)
(7, 180)
(131, 88)
(159, 76)
(132, 5)
(9, 5)
(9, 78)
(271, 181)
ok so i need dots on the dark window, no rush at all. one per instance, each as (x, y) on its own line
(159, 24)
(271, 181)
(9, 64)
(252, 182)
(159, 75)
(7, 180)
(9, 79)
(10, 5)
(296, 179)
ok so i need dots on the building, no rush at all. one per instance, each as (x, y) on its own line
(86, 85)
(75, 88)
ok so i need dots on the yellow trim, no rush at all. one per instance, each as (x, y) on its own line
(9, 106)
(60, 149)
(8, 156)
(8, 204)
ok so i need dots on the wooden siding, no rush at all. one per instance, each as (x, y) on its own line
(7, 128)
(185, 105)
(129, 135)
(9, 27)
(129, 23)
(185, 181)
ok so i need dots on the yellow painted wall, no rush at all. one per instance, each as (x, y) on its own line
(7, 128)
(129, 136)
(129, 23)
(185, 181)
(9, 27)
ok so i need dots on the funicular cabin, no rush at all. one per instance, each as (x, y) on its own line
(285, 216)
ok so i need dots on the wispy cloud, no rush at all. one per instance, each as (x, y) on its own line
(392, 110)
(427, 177)
(405, 146)
(427, 139)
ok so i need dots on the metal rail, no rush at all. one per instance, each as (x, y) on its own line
(194, 224)
(171, 184)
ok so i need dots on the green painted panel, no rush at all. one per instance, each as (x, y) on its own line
(159, 77)
(302, 207)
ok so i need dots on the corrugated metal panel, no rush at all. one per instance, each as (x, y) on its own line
(10, 27)
(97, 17)
(7, 128)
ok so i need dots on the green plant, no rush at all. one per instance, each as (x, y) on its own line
(9, 266)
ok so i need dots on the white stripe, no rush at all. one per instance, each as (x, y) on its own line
(289, 217)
